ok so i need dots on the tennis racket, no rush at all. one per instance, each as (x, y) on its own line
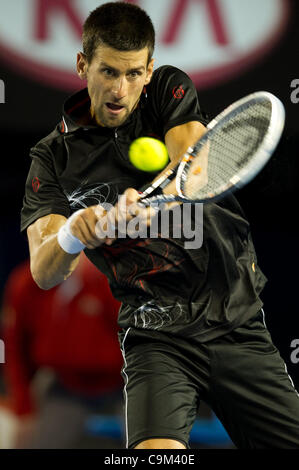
(237, 145)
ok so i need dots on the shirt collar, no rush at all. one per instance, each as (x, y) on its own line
(73, 109)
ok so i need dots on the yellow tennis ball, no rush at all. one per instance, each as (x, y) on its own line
(148, 154)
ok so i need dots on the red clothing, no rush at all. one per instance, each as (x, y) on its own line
(71, 329)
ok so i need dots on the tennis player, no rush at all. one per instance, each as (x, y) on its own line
(192, 320)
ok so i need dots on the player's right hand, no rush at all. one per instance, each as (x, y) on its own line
(83, 227)
(115, 221)
(96, 225)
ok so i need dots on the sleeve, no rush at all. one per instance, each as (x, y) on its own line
(176, 99)
(43, 193)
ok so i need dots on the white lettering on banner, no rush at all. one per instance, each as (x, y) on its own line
(211, 40)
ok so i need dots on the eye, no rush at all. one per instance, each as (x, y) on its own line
(108, 72)
(135, 74)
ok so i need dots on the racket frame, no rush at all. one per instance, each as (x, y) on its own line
(243, 176)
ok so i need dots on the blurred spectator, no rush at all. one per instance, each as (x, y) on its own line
(62, 358)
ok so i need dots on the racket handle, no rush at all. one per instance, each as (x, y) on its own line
(160, 182)
(158, 199)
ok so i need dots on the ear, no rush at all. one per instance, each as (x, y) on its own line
(149, 72)
(82, 66)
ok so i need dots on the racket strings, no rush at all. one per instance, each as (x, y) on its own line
(230, 148)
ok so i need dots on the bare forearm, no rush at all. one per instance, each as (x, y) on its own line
(51, 264)
(50, 261)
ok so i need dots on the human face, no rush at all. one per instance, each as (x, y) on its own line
(115, 81)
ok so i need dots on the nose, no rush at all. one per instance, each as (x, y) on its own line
(119, 89)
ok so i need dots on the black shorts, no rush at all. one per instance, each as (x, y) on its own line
(241, 376)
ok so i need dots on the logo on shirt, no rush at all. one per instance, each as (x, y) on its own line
(35, 184)
(178, 92)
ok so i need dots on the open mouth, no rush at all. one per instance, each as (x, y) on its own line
(114, 108)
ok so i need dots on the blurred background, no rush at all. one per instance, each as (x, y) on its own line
(230, 48)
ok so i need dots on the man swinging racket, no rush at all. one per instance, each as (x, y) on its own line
(192, 324)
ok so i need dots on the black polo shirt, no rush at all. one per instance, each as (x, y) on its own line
(162, 285)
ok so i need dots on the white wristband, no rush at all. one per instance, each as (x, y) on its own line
(68, 242)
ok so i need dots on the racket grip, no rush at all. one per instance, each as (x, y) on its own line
(160, 182)
(157, 200)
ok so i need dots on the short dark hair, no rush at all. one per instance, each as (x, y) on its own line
(122, 26)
